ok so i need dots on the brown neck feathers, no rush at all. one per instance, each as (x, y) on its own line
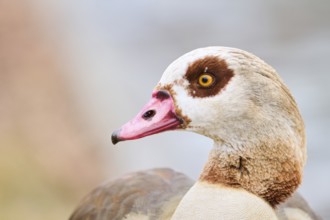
(271, 177)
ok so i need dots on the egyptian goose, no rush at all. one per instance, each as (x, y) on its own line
(257, 160)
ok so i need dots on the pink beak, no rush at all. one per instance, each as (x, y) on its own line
(156, 116)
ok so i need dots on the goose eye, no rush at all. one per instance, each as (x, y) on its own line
(205, 80)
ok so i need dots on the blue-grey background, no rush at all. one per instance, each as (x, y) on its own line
(117, 50)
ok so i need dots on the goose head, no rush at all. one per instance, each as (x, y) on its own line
(239, 101)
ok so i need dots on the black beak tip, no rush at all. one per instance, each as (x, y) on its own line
(115, 137)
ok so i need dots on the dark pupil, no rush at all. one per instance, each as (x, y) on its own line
(205, 79)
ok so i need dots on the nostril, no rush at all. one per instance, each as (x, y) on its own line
(148, 114)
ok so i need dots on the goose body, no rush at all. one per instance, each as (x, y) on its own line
(152, 193)
(259, 152)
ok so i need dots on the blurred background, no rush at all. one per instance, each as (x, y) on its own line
(72, 71)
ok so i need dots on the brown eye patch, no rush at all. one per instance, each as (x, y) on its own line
(213, 66)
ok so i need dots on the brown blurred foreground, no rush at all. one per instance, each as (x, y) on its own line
(47, 158)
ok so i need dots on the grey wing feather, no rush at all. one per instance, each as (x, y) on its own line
(298, 202)
(147, 192)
